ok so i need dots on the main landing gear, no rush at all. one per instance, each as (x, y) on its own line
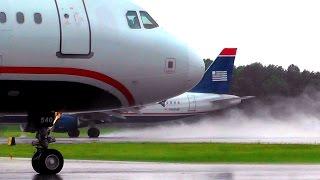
(93, 132)
(74, 133)
(45, 161)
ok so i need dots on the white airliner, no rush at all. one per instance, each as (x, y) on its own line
(85, 56)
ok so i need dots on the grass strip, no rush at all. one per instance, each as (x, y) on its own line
(181, 152)
(15, 131)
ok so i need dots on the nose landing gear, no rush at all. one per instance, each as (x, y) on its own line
(45, 161)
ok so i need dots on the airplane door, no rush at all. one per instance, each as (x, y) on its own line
(192, 103)
(75, 32)
(0, 62)
(6, 26)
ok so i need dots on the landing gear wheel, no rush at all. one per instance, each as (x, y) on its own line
(34, 161)
(74, 133)
(47, 161)
(93, 132)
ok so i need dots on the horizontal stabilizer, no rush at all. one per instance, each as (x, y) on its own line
(247, 98)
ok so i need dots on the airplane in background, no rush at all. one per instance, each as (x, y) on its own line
(81, 56)
(210, 95)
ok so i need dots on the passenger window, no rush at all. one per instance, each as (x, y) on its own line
(3, 17)
(37, 18)
(133, 20)
(20, 18)
(148, 21)
(170, 64)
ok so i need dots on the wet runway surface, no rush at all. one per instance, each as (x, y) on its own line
(291, 140)
(21, 169)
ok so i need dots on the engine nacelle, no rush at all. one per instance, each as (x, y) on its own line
(66, 123)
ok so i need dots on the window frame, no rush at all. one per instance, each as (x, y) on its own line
(152, 20)
(19, 15)
(39, 17)
(170, 65)
(138, 19)
(4, 16)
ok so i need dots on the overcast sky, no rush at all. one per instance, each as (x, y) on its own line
(280, 32)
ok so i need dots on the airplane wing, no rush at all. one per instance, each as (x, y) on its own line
(97, 116)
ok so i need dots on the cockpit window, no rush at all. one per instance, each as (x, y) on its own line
(133, 20)
(148, 21)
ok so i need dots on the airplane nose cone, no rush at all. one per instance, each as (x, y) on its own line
(196, 69)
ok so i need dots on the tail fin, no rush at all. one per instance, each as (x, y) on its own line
(218, 77)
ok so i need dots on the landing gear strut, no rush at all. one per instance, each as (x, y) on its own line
(45, 161)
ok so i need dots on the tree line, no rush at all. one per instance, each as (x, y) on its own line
(264, 81)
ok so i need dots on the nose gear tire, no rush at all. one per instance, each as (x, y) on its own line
(47, 161)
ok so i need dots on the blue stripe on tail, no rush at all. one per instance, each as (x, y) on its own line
(218, 77)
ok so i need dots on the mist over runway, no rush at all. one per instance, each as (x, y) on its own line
(280, 119)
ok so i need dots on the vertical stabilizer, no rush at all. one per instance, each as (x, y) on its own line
(218, 77)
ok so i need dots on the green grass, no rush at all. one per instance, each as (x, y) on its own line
(12, 131)
(188, 153)
(15, 131)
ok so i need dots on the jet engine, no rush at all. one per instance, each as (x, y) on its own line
(66, 123)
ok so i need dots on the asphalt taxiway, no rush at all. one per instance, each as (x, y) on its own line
(21, 169)
(280, 140)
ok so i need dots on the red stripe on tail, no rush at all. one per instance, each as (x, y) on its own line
(229, 52)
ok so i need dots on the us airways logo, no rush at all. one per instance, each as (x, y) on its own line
(219, 76)
(163, 103)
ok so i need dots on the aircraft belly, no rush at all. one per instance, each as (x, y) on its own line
(22, 96)
(149, 119)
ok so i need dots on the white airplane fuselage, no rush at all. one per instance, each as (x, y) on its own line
(185, 105)
(81, 56)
